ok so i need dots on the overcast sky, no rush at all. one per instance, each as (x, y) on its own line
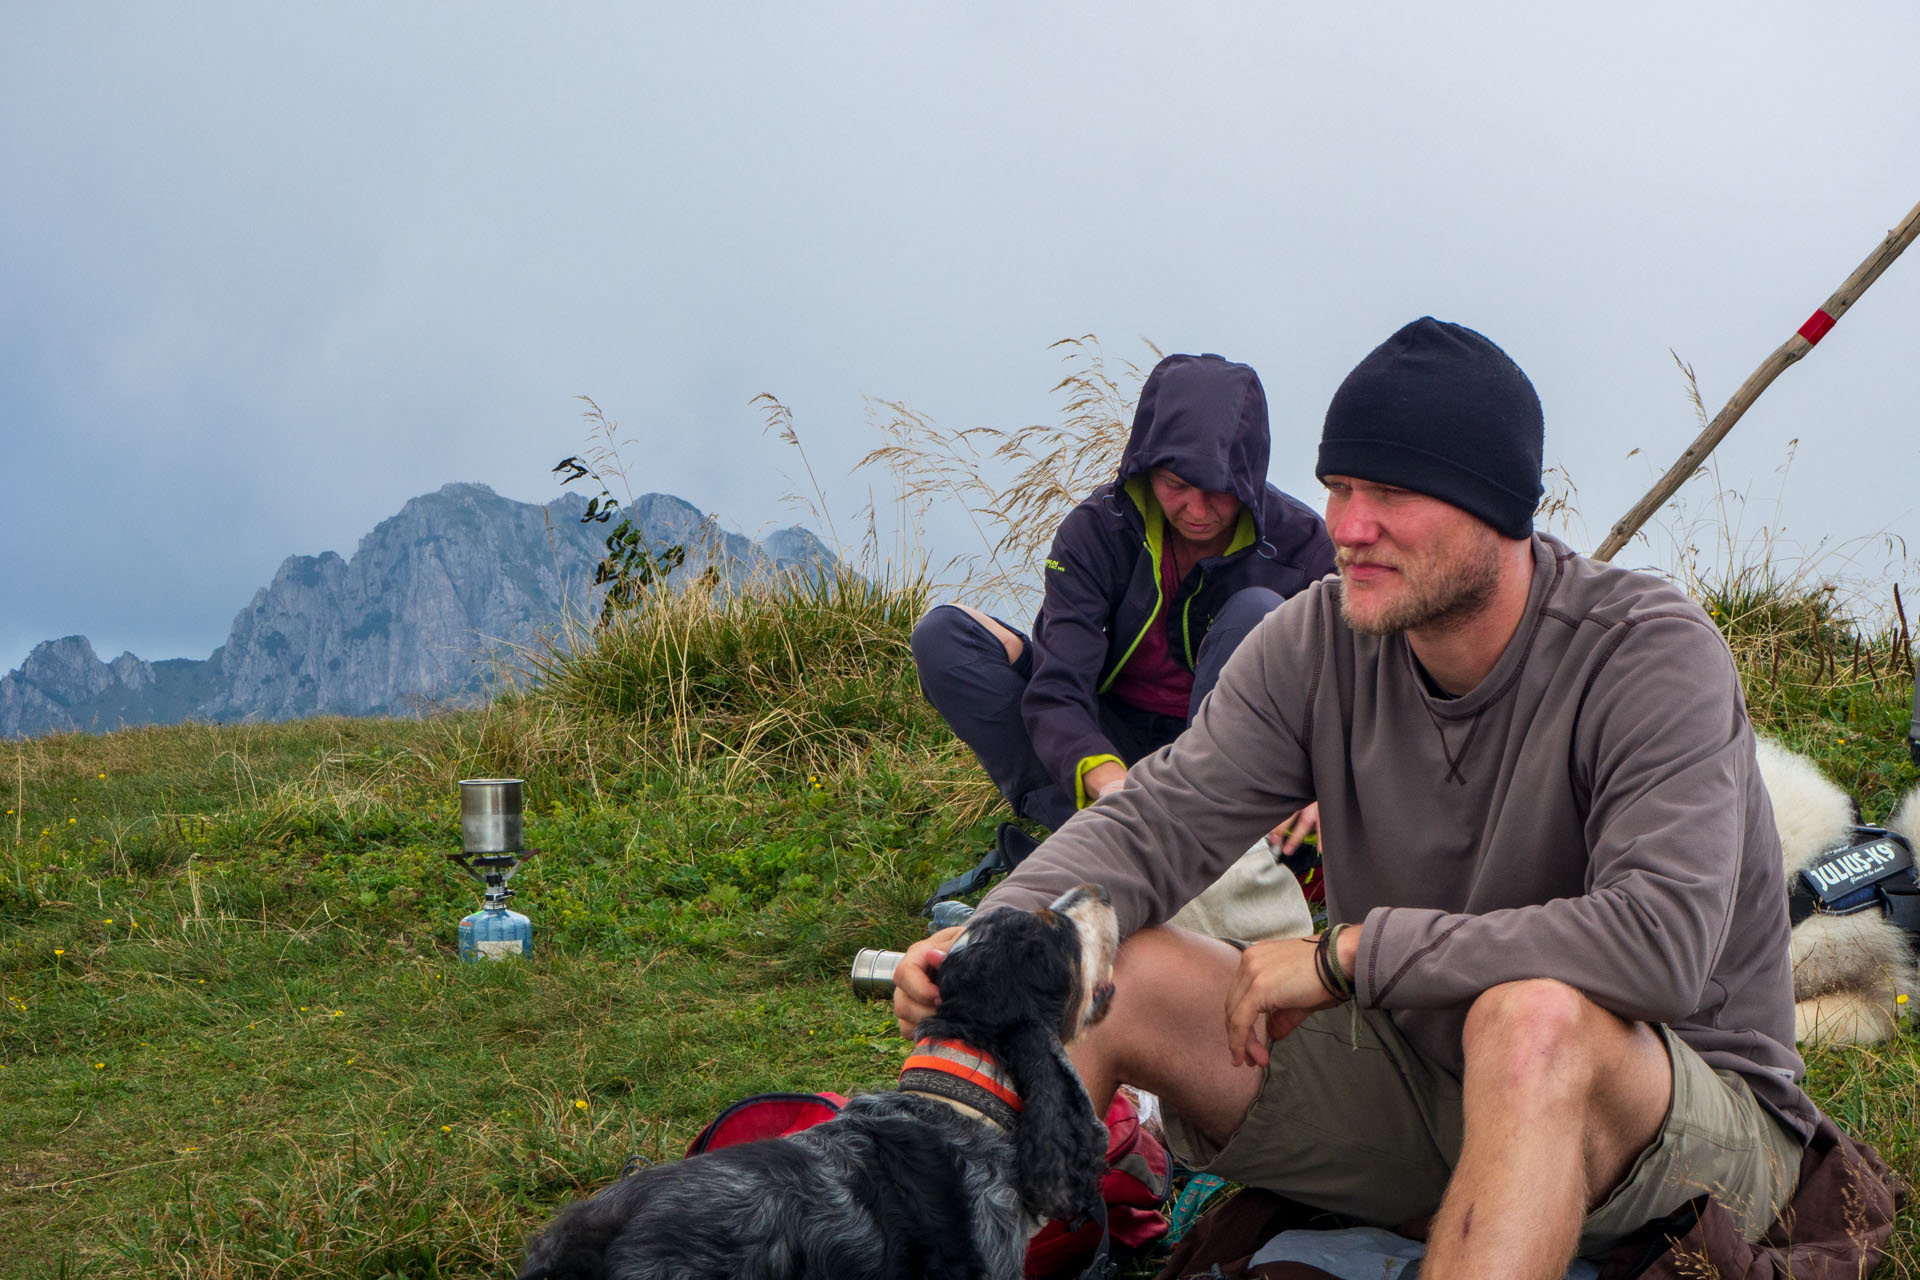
(270, 270)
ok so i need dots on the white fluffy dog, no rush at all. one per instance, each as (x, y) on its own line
(1847, 969)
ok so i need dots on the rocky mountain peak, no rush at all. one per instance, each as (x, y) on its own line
(432, 598)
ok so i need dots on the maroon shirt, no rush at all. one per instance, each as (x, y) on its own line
(1152, 680)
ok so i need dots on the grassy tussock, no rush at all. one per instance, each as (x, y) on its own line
(724, 688)
(803, 674)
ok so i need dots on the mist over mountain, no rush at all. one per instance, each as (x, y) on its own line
(434, 598)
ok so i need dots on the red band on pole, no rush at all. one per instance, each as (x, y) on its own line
(1816, 326)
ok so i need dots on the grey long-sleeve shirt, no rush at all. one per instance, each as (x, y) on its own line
(1592, 813)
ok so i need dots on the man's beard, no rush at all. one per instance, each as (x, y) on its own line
(1441, 593)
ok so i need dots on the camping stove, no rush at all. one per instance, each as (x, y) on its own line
(490, 851)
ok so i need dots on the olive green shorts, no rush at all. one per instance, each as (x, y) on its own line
(1373, 1131)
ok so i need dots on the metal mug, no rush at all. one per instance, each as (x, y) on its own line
(872, 975)
(490, 815)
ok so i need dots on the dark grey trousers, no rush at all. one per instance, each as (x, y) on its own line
(965, 674)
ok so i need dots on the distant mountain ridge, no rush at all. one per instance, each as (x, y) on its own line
(407, 622)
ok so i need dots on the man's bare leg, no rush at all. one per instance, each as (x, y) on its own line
(1560, 1098)
(1166, 1032)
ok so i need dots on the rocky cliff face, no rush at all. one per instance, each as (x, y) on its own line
(434, 598)
(64, 685)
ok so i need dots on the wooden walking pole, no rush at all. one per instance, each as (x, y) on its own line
(1772, 367)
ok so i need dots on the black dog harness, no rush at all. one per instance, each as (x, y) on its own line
(1872, 868)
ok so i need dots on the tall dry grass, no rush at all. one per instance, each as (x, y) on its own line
(1809, 626)
(1016, 485)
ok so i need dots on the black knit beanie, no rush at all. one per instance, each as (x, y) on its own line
(1440, 410)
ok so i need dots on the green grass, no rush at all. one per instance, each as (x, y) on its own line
(235, 1040)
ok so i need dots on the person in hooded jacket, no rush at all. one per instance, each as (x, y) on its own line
(1150, 583)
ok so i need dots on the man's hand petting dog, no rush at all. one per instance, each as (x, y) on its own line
(916, 989)
(1278, 983)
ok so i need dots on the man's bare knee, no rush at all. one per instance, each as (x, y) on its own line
(1540, 1034)
(1534, 1012)
(1539, 1045)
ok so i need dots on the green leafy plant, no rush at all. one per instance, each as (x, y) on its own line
(631, 567)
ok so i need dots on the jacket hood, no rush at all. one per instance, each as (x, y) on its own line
(1204, 418)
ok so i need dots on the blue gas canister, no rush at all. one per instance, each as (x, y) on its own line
(494, 933)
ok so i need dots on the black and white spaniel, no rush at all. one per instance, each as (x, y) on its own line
(988, 1132)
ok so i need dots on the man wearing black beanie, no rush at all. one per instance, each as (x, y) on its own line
(1435, 410)
(1553, 1002)
(1440, 410)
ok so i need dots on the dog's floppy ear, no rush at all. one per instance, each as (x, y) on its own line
(1060, 1146)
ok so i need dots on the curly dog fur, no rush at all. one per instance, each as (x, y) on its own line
(899, 1184)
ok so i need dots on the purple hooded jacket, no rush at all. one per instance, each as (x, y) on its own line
(1203, 418)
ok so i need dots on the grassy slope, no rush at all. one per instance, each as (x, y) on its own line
(234, 1039)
